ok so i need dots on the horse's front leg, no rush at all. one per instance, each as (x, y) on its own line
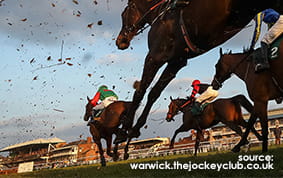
(152, 64)
(244, 137)
(199, 137)
(101, 152)
(97, 139)
(261, 110)
(184, 127)
(168, 74)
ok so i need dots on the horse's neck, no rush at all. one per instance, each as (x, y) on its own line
(241, 66)
(145, 6)
(228, 18)
(181, 102)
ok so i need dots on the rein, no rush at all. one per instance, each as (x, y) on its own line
(137, 24)
(185, 104)
(233, 70)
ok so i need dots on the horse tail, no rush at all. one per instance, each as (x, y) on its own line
(243, 101)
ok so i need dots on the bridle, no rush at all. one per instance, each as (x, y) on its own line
(178, 108)
(139, 24)
(232, 70)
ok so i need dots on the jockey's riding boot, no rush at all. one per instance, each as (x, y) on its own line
(198, 107)
(263, 60)
(121, 136)
(96, 113)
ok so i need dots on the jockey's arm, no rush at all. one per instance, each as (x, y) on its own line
(258, 21)
(95, 99)
(194, 92)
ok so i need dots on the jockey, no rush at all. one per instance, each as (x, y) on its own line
(198, 88)
(207, 94)
(106, 96)
(275, 24)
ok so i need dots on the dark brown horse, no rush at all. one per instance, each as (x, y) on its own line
(261, 87)
(228, 111)
(107, 125)
(179, 34)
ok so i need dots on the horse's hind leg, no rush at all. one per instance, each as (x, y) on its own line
(235, 128)
(167, 75)
(183, 128)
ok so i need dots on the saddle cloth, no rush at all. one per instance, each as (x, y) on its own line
(274, 48)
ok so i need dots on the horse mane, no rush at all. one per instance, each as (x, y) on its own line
(246, 50)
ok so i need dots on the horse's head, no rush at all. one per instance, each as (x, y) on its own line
(88, 110)
(173, 109)
(131, 23)
(134, 17)
(223, 71)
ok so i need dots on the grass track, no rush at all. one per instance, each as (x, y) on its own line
(123, 169)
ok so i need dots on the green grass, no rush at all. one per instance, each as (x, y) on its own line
(123, 169)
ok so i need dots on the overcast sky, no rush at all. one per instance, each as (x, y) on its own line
(42, 96)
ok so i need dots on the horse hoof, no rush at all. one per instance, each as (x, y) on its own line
(236, 149)
(133, 133)
(245, 142)
(103, 164)
(115, 158)
(126, 156)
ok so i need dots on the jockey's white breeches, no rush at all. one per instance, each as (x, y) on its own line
(105, 103)
(207, 96)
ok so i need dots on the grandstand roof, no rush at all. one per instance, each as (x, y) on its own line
(273, 114)
(39, 141)
(149, 140)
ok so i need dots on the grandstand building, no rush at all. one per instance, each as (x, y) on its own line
(56, 151)
(34, 150)
(275, 117)
(44, 151)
